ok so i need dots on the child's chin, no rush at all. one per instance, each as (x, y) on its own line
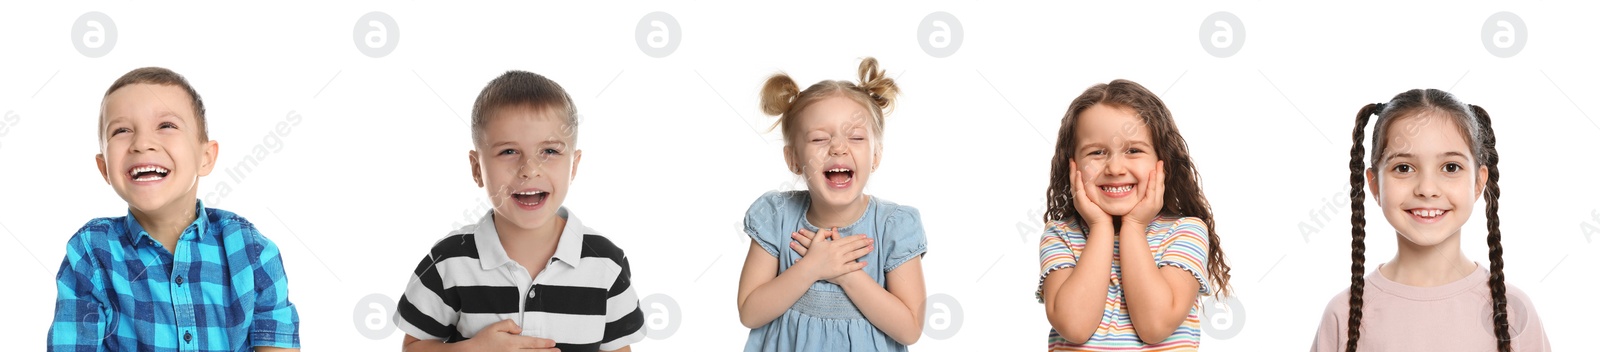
(527, 219)
(147, 200)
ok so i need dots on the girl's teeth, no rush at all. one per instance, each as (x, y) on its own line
(1118, 189)
(1427, 213)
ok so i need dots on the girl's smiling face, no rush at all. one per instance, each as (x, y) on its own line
(1115, 155)
(835, 150)
(526, 163)
(1426, 180)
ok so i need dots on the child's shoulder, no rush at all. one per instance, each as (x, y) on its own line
(896, 212)
(230, 221)
(459, 242)
(597, 245)
(782, 198)
(97, 230)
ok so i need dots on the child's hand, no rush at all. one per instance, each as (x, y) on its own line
(803, 238)
(504, 336)
(829, 256)
(1090, 212)
(1155, 189)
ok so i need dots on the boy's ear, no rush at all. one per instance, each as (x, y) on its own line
(577, 155)
(208, 159)
(477, 174)
(1372, 184)
(788, 158)
(100, 161)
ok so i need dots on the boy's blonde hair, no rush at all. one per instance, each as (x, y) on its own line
(517, 88)
(157, 76)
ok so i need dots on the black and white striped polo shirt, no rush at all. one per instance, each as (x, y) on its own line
(583, 299)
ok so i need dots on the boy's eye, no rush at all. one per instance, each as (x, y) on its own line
(120, 130)
(551, 151)
(167, 125)
(508, 152)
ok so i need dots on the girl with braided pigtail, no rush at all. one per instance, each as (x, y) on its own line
(1432, 158)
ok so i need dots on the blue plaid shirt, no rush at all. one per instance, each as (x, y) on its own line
(223, 290)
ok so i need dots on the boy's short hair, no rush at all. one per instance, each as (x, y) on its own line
(158, 76)
(518, 88)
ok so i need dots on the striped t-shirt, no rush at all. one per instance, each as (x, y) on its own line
(1179, 242)
(583, 299)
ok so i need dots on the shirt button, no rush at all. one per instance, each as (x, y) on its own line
(187, 337)
(180, 281)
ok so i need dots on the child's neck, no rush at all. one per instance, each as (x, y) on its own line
(828, 216)
(530, 246)
(167, 223)
(1428, 266)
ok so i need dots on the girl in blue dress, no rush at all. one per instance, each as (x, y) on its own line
(831, 268)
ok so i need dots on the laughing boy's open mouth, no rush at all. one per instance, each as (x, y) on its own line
(148, 173)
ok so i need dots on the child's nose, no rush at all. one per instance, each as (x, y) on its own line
(1427, 186)
(1115, 166)
(142, 143)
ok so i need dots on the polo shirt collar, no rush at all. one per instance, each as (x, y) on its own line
(137, 232)
(569, 248)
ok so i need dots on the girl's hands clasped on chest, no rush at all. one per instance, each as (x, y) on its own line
(828, 255)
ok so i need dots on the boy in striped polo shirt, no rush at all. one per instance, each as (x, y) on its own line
(172, 275)
(529, 275)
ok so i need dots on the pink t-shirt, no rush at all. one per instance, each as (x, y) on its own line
(1450, 317)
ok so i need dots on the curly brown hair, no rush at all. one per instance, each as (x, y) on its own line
(1184, 197)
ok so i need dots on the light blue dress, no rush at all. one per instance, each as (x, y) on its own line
(824, 319)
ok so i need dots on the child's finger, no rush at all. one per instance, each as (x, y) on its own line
(798, 248)
(535, 344)
(506, 326)
(803, 240)
(1161, 178)
(859, 252)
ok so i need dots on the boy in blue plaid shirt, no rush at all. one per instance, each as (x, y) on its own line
(172, 275)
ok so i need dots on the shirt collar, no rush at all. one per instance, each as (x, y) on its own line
(136, 231)
(569, 248)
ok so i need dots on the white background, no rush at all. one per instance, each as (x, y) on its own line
(676, 147)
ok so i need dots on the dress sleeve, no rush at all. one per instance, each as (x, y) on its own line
(903, 237)
(761, 221)
(1055, 253)
(1185, 248)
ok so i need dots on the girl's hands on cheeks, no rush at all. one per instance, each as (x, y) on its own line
(1090, 212)
(1155, 189)
(827, 255)
(505, 336)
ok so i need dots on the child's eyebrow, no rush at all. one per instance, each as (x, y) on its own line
(1442, 155)
(500, 144)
